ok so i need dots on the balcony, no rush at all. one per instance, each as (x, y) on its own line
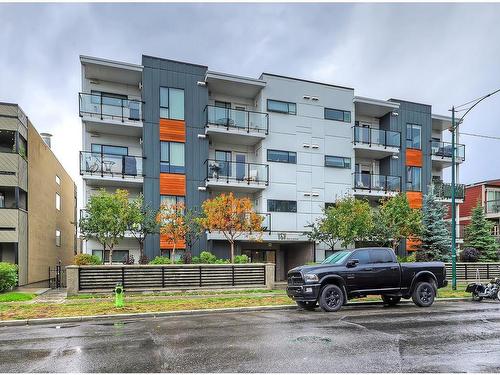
(376, 185)
(229, 175)
(375, 143)
(101, 169)
(492, 208)
(113, 115)
(442, 190)
(441, 153)
(235, 125)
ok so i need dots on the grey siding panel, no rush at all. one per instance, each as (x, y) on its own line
(160, 72)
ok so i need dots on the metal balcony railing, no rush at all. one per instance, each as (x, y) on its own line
(443, 150)
(377, 182)
(108, 107)
(443, 190)
(371, 136)
(492, 206)
(231, 171)
(237, 119)
(96, 163)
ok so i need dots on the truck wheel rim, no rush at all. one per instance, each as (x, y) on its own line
(425, 294)
(332, 298)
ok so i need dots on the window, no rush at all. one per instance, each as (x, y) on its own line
(179, 253)
(282, 156)
(107, 149)
(274, 205)
(22, 147)
(169, 200)
(337, 162)
(58, 202)
(172, 157)
(337, 115)
(58, 238)
(118, 255)
(58, 180)
(171, 103)
(414, 178)
(362, 255)
(281, 107)
(413, 136)
(7, 141)
(381, 256)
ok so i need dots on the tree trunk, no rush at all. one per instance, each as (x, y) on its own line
(141, 249)
(232, 251)
(172, 258)
(111, 254)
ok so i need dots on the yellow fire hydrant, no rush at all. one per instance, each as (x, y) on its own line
(119, 294)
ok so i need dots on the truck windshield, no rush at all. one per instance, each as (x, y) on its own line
(337, 258)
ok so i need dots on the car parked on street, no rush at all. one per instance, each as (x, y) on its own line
(360, 272)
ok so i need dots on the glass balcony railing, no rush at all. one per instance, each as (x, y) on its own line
(443, 150)
(443, 190)
(108, 107)
(266, 221)
(95, 163)
(371, 136)
(492, 206)
(377, 182)
(230, 171)
(237, 119)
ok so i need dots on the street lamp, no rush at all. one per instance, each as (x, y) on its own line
(454, 126)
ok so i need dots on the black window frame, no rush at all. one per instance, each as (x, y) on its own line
(289, 153)
(272, 205)
(166, 163)
(409, 136)
(101, 145)
(177, 198)
(344, 113)
(105, 255)
(168, 103)
(294, 112)
(409, 179)
(344, 159)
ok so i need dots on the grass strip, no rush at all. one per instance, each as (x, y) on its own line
(16, 296)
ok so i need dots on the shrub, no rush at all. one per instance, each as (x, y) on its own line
(187, 257)
(195, 260)
(128, 259)
(241, 259)
(470, 254)
(161, 260)
(8, 276)
(143, 259)
(409, 258)
(221, 261)
(86, 259)
(207, 257)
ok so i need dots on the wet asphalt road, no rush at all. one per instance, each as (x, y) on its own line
(447, 337)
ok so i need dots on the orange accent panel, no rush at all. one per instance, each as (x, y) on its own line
(165, 243)
(414, 198)
(412, 244)
(172, 130)
(172, 184)
(413, 157)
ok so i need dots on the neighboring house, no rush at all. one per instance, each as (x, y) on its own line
(486, 193)
(179, 132)
(37, 200)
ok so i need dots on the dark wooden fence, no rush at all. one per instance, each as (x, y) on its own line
(105, 278)
(469, 271)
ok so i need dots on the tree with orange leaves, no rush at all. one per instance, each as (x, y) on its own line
(171, 218)
(231, 216)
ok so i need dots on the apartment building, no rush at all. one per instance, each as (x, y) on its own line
(37, 200)
(292, 146)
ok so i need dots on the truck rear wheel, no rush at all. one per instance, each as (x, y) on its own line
(331, 298)
(306, 305)
(424, 294)
(391, 300)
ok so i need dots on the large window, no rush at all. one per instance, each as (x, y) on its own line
(58, 238)
(281, 107)
(282, 156)
(337, 115)
(413, 136)
(118, 255)
(171, 103)
(58, 202)
(108, 149)
(274, 205)
(414, 178)
(169, 200)
(337, 162)
(172, 157)
(7, 141)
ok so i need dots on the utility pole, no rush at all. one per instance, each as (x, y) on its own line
(453, 208)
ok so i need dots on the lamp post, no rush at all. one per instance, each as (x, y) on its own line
(453, 129)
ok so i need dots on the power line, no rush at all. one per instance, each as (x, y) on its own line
(481, 136)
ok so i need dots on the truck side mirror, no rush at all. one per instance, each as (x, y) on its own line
(352, 263)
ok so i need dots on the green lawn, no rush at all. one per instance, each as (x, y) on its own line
(16, 296)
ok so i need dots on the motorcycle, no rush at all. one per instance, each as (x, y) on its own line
(480, 291)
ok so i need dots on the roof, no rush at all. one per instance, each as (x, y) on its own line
(305, 80)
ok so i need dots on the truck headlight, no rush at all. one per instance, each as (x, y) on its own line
(311, 278)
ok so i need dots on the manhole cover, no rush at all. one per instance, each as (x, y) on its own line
(310, 339)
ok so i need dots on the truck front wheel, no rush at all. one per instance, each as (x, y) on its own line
(424, 294)
(331, 298)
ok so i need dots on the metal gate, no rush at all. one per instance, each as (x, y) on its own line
(57, 277)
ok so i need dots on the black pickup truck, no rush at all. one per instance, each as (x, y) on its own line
(356, 273)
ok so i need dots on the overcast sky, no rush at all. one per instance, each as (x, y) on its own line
(439, 54)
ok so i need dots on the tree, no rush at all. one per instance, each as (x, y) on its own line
(478, 235)
(141, 222)
(193, 232)
(105, 219)
(172, 221)
(231, 216)
(325, 228)
(354, 219)
(396, 220)
(436, 243)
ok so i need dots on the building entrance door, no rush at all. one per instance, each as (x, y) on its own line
(260, 256)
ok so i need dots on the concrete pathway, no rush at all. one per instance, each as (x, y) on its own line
(51, 296)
